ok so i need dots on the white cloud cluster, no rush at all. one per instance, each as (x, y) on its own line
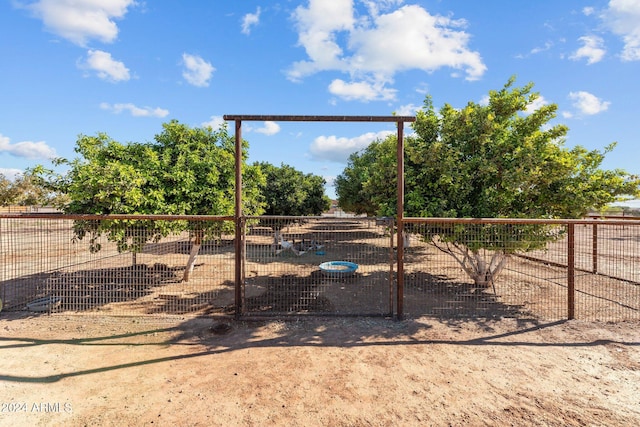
(214, 122)
(197, 71)
(81, 20)
(338, 149)
(587, 103)
(249, 20)
(622, 17)
(27, 149)
(105, 66)
(269, 128)
(134, 110)
(592, 49)
(373, 48)
(10, 173)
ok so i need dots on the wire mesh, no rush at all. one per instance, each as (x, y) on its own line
(47, 267)
(285, 266)
(535, 280)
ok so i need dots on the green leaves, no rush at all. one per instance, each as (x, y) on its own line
(288, 191)
(183, 171)
(502, 159)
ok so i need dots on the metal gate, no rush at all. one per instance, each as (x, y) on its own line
(289, 265)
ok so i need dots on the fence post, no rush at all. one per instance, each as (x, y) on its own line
(400, 222)
(238, 222)
(594, 254)
(571, 272)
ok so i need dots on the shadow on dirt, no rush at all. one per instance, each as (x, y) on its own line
(200, 338)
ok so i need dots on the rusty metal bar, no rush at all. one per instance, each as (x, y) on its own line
(291, 118)
(105, 217)
(390, 224)
(571, 272)
(416, 220)
(238, 223)
(400, 223)
(594, 251)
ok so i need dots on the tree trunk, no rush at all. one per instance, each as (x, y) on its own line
(485, 273)
(195, 249)
(473, 262)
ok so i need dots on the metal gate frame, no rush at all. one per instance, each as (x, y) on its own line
(239, 217)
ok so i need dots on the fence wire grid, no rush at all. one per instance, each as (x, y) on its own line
(592, 269)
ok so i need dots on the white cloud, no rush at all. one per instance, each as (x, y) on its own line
(81, 20)
(592, 49)
(363, 91)
(536, 104)
(374, 48)
(214, 122)
(588, 103)
(105, 66)
(197, 71)
(588, 11)
(407, 110)
(27, 149)
(269, 128)
(338, 149)
(547, 45)
(10, 174)
(249, 20)
(623, 18)
(135, 111)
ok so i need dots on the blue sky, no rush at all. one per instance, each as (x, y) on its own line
(124, 67)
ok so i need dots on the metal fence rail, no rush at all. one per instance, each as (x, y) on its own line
(591, 272)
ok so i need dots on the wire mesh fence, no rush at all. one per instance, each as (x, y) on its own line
(47, 265)
(588, 270)
(319, 266)
(291, 265)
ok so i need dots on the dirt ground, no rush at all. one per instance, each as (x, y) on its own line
(102, 371)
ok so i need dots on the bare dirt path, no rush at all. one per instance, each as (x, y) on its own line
(98, 371)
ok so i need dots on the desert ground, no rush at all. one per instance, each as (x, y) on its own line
(117, 371)
(135, 345)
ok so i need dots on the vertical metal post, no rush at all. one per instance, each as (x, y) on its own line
(594, 252)
(390, 223)
(400, 223)
(571, 272)
(238, 221)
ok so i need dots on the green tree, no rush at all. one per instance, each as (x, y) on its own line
(499, 160)
(184, 171)
(288, 191)
(8, 192)
(25, 190)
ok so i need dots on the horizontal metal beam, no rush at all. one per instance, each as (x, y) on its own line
(286, 118)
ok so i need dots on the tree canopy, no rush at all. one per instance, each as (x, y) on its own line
(184, 170)
(25, 190)
(499, 160)
(288, 191)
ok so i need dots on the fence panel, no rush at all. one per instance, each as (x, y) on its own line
(436, 283)
(283, 274)
(607, 268)
(43, 259)
(534, 282)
